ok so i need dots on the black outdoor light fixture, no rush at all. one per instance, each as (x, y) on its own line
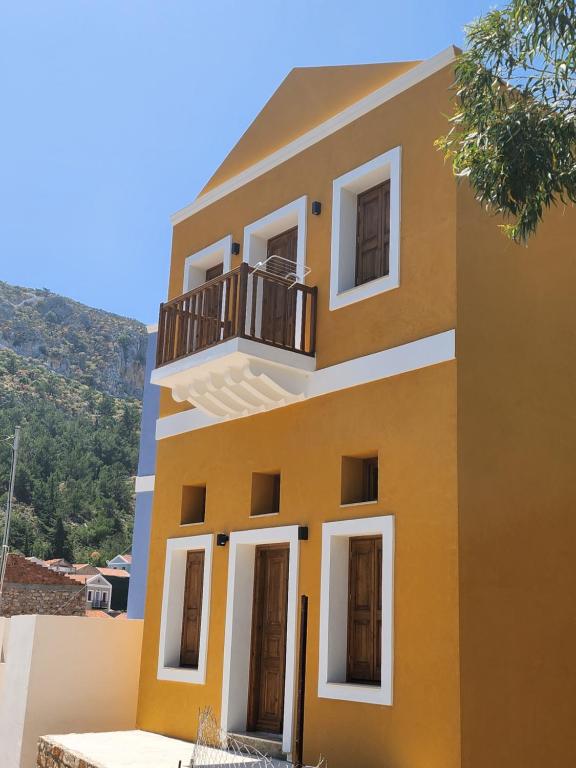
(235, 249)
(222, 539)
(302, 533)
(316, 208)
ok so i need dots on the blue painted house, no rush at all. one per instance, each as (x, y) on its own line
(144, 486)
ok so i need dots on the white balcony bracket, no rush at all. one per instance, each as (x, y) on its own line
(237, 378)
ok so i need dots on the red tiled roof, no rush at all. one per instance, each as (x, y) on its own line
(114, 572)
(81, 578)
(22, 571)
(89, 569)
(95, 614)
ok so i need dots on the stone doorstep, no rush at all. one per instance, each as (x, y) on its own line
(269, 744)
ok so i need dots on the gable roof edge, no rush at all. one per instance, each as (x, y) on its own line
(386, 92)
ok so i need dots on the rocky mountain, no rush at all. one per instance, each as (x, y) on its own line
(90, 346)
(71, 377)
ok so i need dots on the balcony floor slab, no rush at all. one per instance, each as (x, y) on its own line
(237, 378)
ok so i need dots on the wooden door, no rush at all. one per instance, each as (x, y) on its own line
(279, 301)
(268, 652)
(365, 610)
(192, 614)
(211, 306)
(214, 271)
(373, 233)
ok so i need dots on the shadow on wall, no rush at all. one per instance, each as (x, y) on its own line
(62, 674)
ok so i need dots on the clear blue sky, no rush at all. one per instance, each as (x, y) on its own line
(115, 112)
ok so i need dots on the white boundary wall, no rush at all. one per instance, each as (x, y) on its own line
(64, 674)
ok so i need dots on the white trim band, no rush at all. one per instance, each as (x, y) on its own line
(388, 91)
(144, 483)
(431, 350)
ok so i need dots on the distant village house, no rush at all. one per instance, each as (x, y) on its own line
(98, 590)
(59, 564)
(121, 563)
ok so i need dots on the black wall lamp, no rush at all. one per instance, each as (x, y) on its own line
(302, 533)
(222, 539)
(316, 208)
(235, 249)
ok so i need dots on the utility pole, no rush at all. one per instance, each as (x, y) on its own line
(8, 518)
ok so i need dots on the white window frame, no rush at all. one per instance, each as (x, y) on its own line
(238, 634)
(89, 595)
(257, 234)
(345, 191)
(196, 264)
(255, 250)
(173, 607)
(334, 610)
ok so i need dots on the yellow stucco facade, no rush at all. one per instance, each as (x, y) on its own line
(470, 548)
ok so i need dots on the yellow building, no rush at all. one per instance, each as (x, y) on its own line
(367, 400)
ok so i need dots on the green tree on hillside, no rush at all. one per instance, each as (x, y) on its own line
(79, 451)
(59, 541)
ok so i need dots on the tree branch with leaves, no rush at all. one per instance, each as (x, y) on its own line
(513, 132)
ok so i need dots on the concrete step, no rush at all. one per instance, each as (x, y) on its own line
(269, 744)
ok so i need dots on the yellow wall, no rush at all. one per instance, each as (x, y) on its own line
(516, 337)
(410, 420)
(477, 467)
(425, 304)
(319, 93)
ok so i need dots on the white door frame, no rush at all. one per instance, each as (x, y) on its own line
(237, 639)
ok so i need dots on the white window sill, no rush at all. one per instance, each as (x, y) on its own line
(366, 694)
(266, 514)
(181, 675)
(358, 504)
(188, 525)
(364, 291)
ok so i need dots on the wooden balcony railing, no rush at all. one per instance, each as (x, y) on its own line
(245, 303)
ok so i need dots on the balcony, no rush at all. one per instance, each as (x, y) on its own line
(241, 343)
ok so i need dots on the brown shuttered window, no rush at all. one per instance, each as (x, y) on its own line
(365, 610)
(192, 615)
(373, 233)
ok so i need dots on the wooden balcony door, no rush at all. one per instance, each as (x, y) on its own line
(212, 306)
(268, 647)
(279, 301)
